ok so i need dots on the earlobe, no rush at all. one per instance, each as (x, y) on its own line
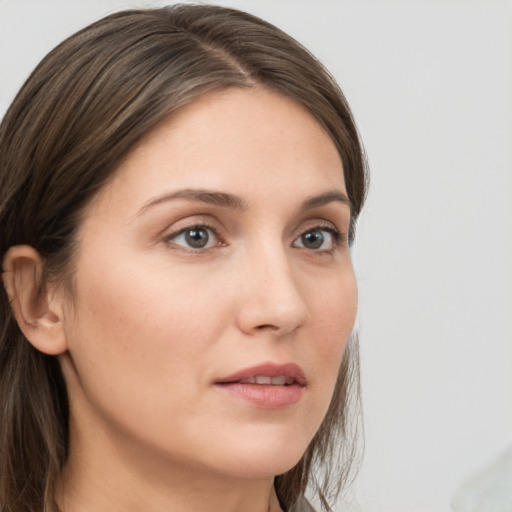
(36, 307)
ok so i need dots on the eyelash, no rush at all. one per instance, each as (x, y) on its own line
(338, 238)
(182, 231)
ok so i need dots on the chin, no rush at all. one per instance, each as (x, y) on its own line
(263, 469)
(263, 459)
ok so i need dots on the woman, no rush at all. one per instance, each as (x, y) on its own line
(179, 190)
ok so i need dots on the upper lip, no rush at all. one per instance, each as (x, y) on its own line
(289, 370)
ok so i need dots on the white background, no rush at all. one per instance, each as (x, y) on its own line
(430, 83)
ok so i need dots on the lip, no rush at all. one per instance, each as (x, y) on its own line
(290, 370)
(265, 396)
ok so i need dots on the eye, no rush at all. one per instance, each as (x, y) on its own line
(318, 239)
(195, 237)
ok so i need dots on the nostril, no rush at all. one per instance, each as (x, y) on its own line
(267, 326)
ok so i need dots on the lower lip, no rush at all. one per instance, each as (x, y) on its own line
(264, 396)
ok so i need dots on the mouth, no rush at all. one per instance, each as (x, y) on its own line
(266, 374)
(272, 381)
(266, 386)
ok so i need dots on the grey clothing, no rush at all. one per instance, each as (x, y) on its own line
(303, 505)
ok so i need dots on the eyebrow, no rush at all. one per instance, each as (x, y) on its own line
(325, 198)
(235, 202)
(202, 195)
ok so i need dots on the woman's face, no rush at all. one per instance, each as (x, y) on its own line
(214, 291)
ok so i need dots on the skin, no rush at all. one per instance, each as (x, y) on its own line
(155, 323)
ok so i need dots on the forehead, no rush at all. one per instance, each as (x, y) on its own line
(244, 140)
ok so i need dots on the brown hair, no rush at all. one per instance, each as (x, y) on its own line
(83, 107)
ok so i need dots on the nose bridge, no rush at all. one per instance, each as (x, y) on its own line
(272, 298)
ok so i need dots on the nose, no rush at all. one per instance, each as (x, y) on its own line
(271, 299)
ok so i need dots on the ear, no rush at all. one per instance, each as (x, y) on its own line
(37, 308)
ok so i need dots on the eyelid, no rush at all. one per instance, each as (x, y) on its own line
(339, 237)
(190, 225)
(321, 224)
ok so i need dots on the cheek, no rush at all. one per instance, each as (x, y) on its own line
(141, 349)
(333, 314)
(130, 301)
(141, 329)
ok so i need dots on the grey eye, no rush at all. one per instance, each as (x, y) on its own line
(195, 237)
(312, 239)
(316, 239)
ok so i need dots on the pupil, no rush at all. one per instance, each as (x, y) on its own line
(313, 239)
(197, 237)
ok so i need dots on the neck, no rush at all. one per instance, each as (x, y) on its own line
(88, 495)
(105, 477)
